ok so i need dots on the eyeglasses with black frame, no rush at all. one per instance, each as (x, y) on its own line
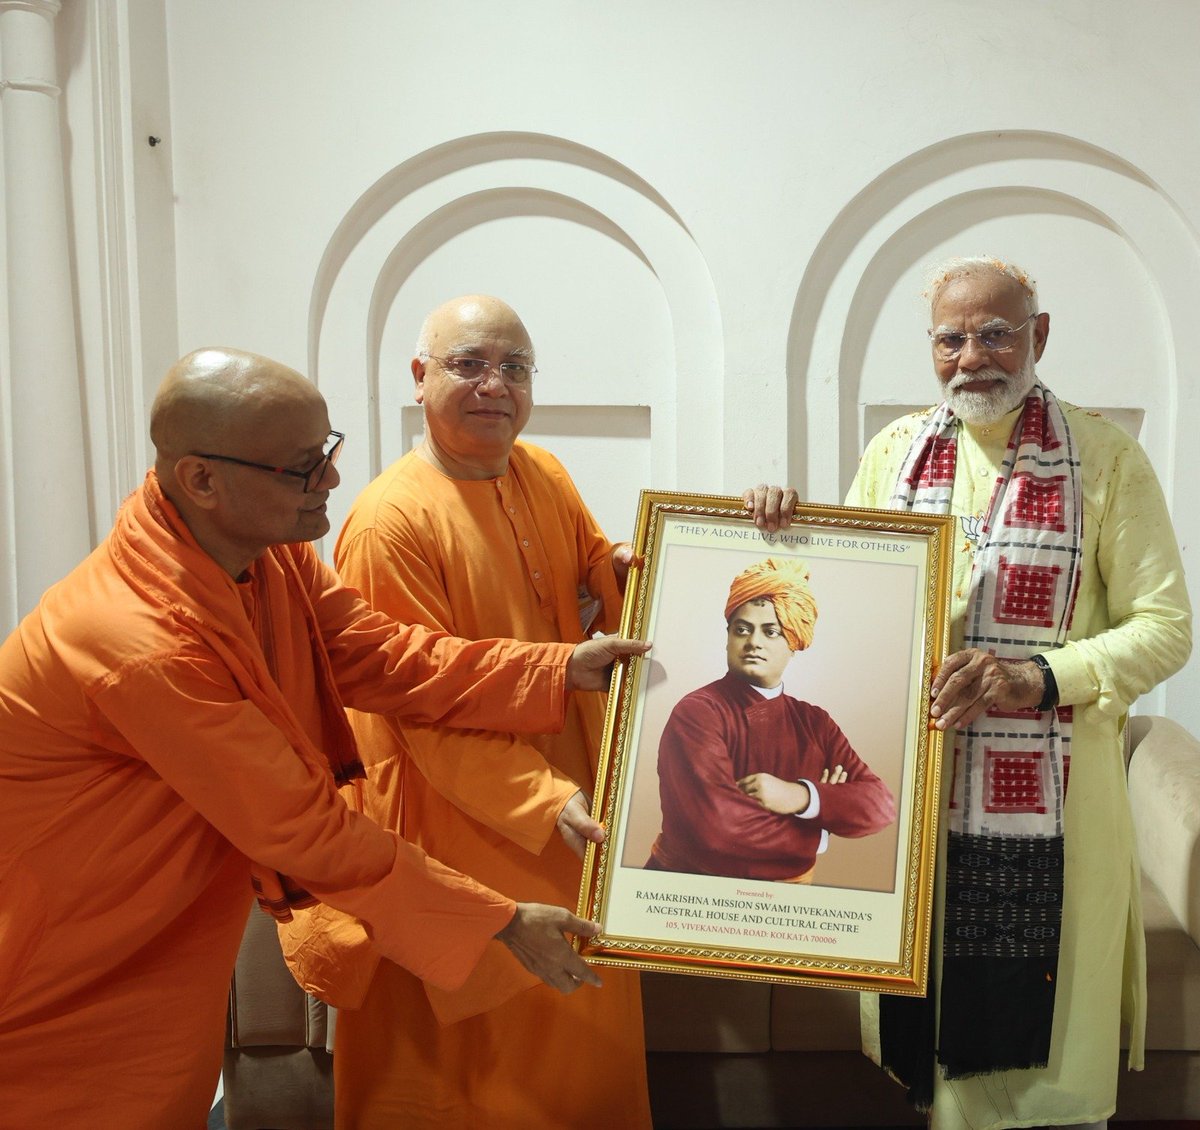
(995, 339)
(312, 476)
(475, 370)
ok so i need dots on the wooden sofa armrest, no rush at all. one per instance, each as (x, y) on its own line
(1164, 793)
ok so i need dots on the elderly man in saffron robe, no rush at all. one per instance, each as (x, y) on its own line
(1069, 601)
(172, 730)
(753, 781)
(478, 532)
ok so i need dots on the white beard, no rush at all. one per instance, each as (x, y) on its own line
(988, 407)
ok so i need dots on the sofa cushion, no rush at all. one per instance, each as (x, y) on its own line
(805, 1019)
(1172, 977)
(685, 1013)
(279, 1087)
(780, 1089)
(1164, 797)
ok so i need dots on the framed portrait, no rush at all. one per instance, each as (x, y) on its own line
(768, 777)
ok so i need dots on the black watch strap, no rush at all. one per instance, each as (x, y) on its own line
(1049, 685)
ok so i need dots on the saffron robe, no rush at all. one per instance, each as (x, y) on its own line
(727, 730)
(161, 729)
(519, 554)
(1131, 630)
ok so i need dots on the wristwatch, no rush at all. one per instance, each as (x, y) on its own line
(1049, 685)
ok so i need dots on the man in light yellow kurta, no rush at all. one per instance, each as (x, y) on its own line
(1131, 629)
(473, 530)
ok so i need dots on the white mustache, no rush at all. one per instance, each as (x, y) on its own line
(992, 373)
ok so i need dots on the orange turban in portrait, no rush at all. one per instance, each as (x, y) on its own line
(785, 584)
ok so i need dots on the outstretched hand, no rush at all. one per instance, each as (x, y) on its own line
(591, 663)
(535, 935)
(771, 506)
(576, 826)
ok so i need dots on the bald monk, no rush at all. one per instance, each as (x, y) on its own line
(753, 781)
(171, 724)
(477, 533)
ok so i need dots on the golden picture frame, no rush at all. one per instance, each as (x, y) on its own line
(859, 918)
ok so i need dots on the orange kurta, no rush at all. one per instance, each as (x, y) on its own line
(517, 554)
(161, 729)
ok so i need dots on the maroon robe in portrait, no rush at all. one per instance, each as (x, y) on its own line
(727, 730)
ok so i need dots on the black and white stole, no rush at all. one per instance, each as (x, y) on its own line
(1004, 865)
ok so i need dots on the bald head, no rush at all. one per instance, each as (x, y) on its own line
(214, 398)
(238, 439)
(444, 325)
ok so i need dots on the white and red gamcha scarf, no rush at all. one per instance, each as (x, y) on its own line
(1004, 865)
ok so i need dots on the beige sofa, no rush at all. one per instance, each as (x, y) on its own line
(726, 1053)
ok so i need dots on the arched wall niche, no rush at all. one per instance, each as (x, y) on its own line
(441, 161)
(1010, 179)
(439, 229)
(480, 212)
(888, 308)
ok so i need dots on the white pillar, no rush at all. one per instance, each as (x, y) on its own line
(49, 480)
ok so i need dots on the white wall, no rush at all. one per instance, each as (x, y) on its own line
(113, 69)
(713, 216)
